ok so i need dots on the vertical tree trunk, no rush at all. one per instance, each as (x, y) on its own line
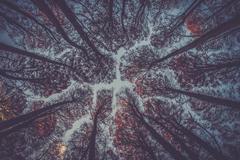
(146, 147)
(181, 19)
(214, 152)
(11, 125)
(8, 76)
(192, 155)
(123, 15)
(92, 143)
(47, 11)
(8, 48)
(166, 145)
(223, 28)
(19, 10)
(219, 66)
(207, 98)
(91, 155)
(14, 23)
(73, 19)
(110, 12)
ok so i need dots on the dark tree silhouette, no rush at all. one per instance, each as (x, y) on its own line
(111, 80)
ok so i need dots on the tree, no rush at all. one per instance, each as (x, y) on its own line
(207, 98)
(139, 79)
(12, 125)
(219, 30)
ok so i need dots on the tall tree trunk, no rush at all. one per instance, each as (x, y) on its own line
(110, 12)
(10, 77)
(11, 125)
(123, 15)
(47, 11)
(219, 66)
(14, 23)
(217, 12)
(192, 155)
(140, 12)
(181, 19)
(18, 51)
(207, 98)
(146, 147)
(214, 152)
(166, 145)
(223, 28)
(92, 143)
(73, 19)
(26, 14)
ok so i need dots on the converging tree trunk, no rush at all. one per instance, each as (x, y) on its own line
(219, 30)
(166, 145)
(47, 11)
(18, 51)
(214, 152)
(5, 74)
(74, 21)
(181, 19)
(218, 66)
(189, 134)
(192, 155)
(207, 98)
(11, 125)
(26, 14)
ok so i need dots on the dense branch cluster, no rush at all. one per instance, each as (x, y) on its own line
(119, 79)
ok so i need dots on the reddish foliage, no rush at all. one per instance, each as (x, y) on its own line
(51, 86)
(56, 11)
(194, 24)
(183, 67)
(126, 136)
(118, 120)
(44, 126)
(131, 72)
(167, 136)
(139, 86)
(123, 102)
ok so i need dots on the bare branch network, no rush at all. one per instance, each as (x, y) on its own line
(119, 79)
